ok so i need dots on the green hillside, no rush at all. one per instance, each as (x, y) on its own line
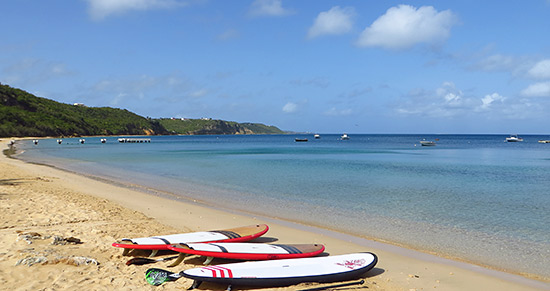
(200, 126)
(23, 114)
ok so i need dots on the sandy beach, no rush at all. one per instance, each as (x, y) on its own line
(57, 229)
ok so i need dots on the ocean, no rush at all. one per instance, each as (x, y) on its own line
(471, 197)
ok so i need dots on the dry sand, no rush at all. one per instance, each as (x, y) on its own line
(44, 210)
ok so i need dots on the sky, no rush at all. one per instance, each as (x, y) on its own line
(368, 66)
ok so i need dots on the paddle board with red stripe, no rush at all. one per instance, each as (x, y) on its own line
(285, 272)
(238, 234)
(249, 251)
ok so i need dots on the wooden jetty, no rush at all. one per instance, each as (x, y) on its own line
(134, 140)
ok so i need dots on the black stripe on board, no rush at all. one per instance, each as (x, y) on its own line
(289, 249)
(163, 240)
(224, 250)
(228, 233)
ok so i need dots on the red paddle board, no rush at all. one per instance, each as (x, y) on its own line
(249, 251)
(238, 234)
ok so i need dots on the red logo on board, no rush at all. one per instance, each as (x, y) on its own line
(352, 264)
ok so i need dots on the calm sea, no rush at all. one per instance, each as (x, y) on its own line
(474, 197)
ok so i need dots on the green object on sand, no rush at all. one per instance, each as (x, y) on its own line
(156, 277)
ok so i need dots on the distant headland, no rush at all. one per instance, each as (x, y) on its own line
(23, 114)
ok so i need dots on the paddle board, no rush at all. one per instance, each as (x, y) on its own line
(285, 272)
(247, 251)
(238, 234)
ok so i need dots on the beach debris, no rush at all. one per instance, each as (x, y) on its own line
(59, 240)
(43, 179)
(334, 286)
(29, 261)
(413, 276)
(28, 237)
(74, 261)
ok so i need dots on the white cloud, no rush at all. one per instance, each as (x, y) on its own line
(316, 82)
(32, 71)
(405, 26)
(199, 93)
(490, 99)
(290, 107)
(449, 93)
(497, 62)
(99, 9)
(335, 21)
(541, 70)
(228, 35)
(338, 112)
(445, 101)
(541, 89)
(268, 8)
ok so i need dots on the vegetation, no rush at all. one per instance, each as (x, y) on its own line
(208, 126)
(23, 114)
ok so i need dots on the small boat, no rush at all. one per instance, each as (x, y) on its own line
(427, 143)
(544, 141)
(344, 137)
(316, 136)
(300, 139)
(514, 138)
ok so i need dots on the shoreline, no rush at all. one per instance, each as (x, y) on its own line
(398, 269)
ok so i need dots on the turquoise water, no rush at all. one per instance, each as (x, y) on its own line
(473, 197)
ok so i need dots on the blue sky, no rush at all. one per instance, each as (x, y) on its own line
(304, 65)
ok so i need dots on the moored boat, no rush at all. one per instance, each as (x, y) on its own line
(427, 143)
(514, 138)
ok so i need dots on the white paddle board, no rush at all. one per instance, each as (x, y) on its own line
(285, 272)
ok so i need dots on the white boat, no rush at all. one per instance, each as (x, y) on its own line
(344, 137)
(316, 136)
(544, 141)
(427, 143)
(514, 138)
